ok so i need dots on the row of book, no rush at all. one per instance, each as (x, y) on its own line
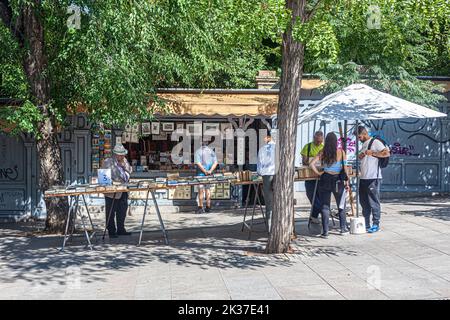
(224, 178)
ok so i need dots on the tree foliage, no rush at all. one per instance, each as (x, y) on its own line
(383, 42)
(123, 50)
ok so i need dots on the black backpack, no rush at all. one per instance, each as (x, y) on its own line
(382, 162)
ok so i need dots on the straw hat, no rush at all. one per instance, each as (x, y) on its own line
(120, 150)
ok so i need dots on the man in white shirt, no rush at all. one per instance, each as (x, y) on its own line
(206, 163)
(370, 177)
(266, 169)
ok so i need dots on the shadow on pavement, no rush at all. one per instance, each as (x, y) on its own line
(38, 259)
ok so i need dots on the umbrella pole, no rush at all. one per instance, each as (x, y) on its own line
(357, 170)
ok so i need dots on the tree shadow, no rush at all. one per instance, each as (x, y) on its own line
(38, 260)
(436, 207)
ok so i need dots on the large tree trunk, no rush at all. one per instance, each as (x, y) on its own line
(49, 153)
(289, 98)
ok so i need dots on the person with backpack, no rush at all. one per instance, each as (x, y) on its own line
(374, 155)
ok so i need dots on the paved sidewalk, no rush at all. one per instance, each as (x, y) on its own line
(210, 258)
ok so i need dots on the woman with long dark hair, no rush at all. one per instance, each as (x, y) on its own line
(333, 161)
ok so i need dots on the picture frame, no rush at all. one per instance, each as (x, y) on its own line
(194, 129)
(134, 137)
(155, 127)
(146, 128)
(126, 137)
(180, 125)
(136, 128)
(168, 126)
(160, 137)
(211, 128)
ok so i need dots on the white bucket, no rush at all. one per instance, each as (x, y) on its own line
(357, 225)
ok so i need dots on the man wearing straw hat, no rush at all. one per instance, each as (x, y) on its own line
(117, 203)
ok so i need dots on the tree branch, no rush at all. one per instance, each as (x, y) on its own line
(311, 13)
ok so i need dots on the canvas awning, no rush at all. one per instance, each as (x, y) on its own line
(211, 104)
(224, 102)
(361, 102)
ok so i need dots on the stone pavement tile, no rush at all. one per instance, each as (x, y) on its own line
(431, 261)
(207, 294)
(153, 292)
(441, 246)
(358, 290)
(285, 279)
(79, 295)
(154, 280)
(324, 266)
(442, 270)
(312, 292)
(401, 288)
(249, 286)
(197, 281)
(436, 226)
(249, 293)
(118, 293)
(344, 276)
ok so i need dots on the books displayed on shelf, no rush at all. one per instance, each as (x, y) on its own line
(101, 146)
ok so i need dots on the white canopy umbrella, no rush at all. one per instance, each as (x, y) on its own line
(360, 102)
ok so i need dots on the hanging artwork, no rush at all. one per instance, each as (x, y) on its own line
(155, 127)
(146, 129)
(168, 126)
(194, 129)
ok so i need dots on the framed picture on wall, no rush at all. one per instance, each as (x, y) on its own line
(168, 126)
(136, 128)
(126, 137)
(180, 125)
(146, 129)
(194, 129)
(155, 127)
(134, 137)
(211, 128)
(160, 137)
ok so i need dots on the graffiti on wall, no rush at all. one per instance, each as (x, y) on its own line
(407, 129)
(10, 174)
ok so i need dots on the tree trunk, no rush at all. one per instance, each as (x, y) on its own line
(289, 99)
(49, 153)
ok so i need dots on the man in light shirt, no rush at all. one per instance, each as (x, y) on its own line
(266, 169)
(370, 177)
(206, 163)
